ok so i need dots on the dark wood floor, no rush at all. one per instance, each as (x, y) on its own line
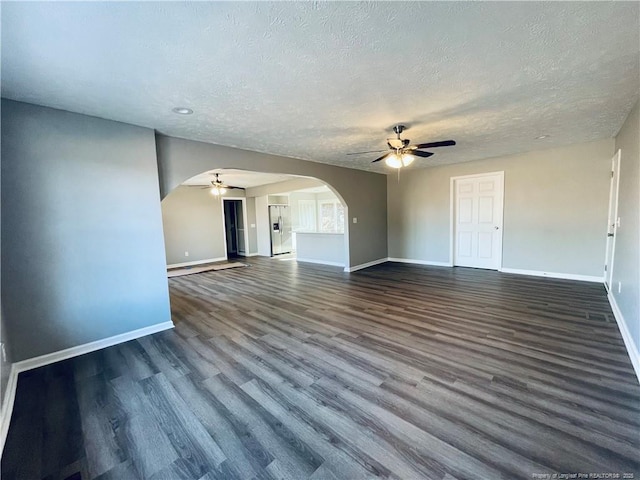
(285, 370)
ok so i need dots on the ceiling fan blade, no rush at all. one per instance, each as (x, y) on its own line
(237, 188)
(421, 154)
(370, 151)
(444, 143)
(381, 158)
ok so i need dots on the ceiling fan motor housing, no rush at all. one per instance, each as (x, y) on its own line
(397, 142)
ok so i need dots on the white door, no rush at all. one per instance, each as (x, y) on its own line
(478, 220)
(612, 221)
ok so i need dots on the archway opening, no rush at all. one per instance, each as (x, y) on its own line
(225, 214)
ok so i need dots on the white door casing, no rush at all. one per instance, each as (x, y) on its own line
(612, 220)
(477, 213)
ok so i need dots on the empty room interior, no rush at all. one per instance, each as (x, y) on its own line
(320, 240)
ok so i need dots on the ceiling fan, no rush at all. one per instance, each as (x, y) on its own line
(403, 154)
(218, 187)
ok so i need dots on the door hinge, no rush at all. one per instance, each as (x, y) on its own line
(605, 268)
(612, 173)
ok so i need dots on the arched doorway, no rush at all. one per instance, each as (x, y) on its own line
(365, 193)
(238, 219)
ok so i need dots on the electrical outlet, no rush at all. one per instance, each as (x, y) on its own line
(186, 254)
(618, 222)
(355, 219)
(253, 225)
(4, 352)
(619, 287)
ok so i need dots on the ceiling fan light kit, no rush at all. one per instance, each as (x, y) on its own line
(218, 190)
(398, 161)
(403, 154)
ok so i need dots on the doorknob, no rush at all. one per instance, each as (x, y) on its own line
(496, 228)
(609, 234)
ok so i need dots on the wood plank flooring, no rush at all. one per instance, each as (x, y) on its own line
(294, 371)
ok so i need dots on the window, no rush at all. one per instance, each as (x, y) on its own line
(306, 216)
(331, 217)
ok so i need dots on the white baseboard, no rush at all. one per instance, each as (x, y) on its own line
(564, 276)
(536, 273)
(632, 348)
(7, 406)
(197, 262)
(251, 254)
(420, 262)
(42, 360)
(319, 262)
(365, 265)
(53, 357)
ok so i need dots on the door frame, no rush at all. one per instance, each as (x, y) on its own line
(612, 222)
(452, 213)
(244, 221)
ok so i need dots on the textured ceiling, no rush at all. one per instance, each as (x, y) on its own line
(315, 80)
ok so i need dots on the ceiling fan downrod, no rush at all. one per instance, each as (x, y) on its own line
(398, 129)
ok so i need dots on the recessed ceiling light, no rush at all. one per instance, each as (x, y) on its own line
(542, 137)
(182, 111)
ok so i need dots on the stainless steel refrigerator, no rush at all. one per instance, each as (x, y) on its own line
(280, 222)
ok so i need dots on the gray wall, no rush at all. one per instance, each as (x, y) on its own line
(192, 222)
(5, 365)
(365, 193)
(627, 260)
(555, 209)
(251, 220)
(82, 248)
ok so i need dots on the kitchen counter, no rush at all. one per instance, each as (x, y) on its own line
(324, 248)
